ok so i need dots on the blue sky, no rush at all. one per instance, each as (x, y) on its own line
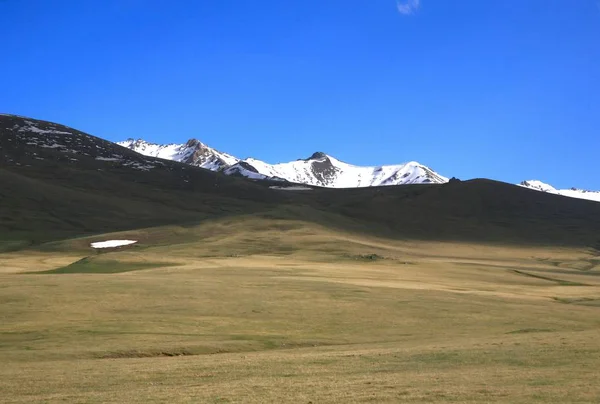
(508, 90)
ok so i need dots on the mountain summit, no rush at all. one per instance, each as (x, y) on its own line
(193, 152)
(317, 156)
(320, 169)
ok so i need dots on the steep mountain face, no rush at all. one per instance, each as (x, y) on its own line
(327, 171)
(319, 169)
(572, 193)
(193, 152)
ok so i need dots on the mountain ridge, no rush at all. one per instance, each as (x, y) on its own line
(320, 169)
(60, 183)
(571, 192)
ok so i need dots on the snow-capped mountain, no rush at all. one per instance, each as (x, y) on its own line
(319, 169)
(323, 170)
(193, 152)
(36, 140)
(573, 192)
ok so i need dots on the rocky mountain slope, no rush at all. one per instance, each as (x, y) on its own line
(193, 152)
(319, 169)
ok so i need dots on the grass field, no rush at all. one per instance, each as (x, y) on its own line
(257, 309)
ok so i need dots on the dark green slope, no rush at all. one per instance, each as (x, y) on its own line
(476, 210)
(94, 186)
(57, 182)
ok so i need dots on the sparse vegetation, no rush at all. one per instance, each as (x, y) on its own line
(237, 323)
(367, 257)
(475, 291)
(99, 266)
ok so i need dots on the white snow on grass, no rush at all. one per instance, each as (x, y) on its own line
(112, 243)
(139, 166)
(107, 159)
(35, 129)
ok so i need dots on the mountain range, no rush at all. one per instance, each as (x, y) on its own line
(59, 183)
(319, 169)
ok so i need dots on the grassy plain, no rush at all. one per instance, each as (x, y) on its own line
(262, 310)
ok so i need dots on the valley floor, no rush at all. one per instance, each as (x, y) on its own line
(285, 311)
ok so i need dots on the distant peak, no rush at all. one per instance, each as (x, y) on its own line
(194, 143)
(539, 185)
(318, 156)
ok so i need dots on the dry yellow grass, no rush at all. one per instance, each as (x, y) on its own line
(282, 311)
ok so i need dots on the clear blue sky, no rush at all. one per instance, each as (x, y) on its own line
(508, 90)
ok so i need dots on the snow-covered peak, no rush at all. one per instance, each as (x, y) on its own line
(324, 170)
(192, 152)
(572, 192)
(538, 185)
(168, 152)
(320, 169)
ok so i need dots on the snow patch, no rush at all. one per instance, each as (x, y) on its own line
(139, 166)
(52, 146)
(112, 243)
(107, 159)
(34, 129)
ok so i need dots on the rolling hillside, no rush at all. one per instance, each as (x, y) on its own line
(59, 182)
(266, 291)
